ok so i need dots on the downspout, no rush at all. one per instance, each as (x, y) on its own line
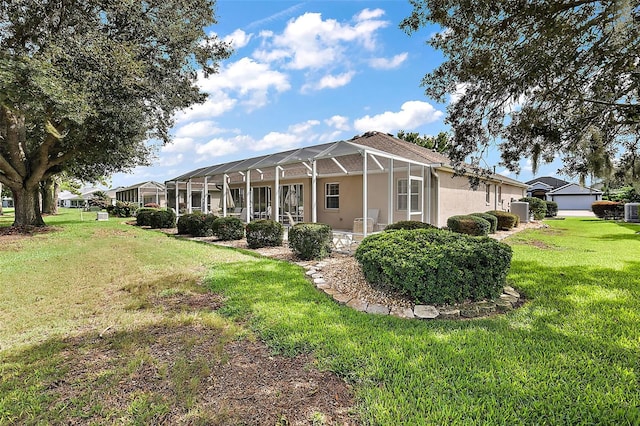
(436, 178)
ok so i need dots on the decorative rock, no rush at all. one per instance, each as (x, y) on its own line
(503, 305)
(342, 298)
(331, 291)
(469, 311)
(449, 313)
(321, 265)
(511, 292)
(509, 298)
(310, 272)
(402, 312)
(323, 286)
(377, 309)
(425, 311)
(485, 308)
(317, 275)
(317, 281)
(357, 304)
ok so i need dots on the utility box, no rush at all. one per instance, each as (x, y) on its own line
(521, 209)
(631, 212)
(102, 216)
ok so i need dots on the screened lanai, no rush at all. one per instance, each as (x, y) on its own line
(358, 185)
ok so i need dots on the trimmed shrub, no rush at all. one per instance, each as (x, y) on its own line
(122, 209)
(143, 216)
(607, 209)
(228, 228)
(163, 218)
(196, 224)
(506, 220)
(552, 209)
(537, 207)
(493, 221)
(470, 225)
(152, 205)
(433, 266)
(264, 233)
(409, 224)
(310, 240)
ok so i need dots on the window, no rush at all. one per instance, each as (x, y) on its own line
(488, 195)
(404, 195)
(238, 197)
(403, 192)
(332, 196)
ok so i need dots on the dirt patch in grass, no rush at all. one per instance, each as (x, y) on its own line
(11, 237)
(193, 374)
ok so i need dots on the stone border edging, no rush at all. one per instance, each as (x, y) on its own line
(507, 301)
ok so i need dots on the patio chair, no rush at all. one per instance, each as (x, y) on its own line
(371, 221)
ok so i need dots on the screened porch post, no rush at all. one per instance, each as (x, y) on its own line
(314, 192)
(205, 195)
(365, 194)
(276, 195)
(423, 191)
(247, 196)
(428, 200)
(390, 193)
(189, 203)
(177, 198)
(408, 191)
(225, 188)
(157, 196)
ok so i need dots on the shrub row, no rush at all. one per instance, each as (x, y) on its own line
(155, 218)
(537, 207)
(409, 224)
(197, 224)
(310, 240)
(606, 209)
(435, 266)
(506, 220)
(264, 233)
(468, 224)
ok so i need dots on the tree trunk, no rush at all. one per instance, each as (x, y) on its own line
(1, 212)
(27, 207)
(50, 190)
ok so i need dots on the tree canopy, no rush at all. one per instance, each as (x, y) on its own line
(541, 79)
(84, 84)
(440, 143)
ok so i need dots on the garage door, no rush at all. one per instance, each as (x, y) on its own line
(574, 202)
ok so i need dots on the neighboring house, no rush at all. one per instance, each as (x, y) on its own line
(568, 195)
(373, 176)
(7, 202)
(143, 193)
(71, 200)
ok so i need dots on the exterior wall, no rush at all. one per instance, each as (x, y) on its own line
(350, 202)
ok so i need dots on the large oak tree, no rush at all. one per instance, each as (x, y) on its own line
(84, 84)
(540, 78)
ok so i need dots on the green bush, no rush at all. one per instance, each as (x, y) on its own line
(493, 221)
(607, 209)
(162, 218)
(264, 233)
(310, 240)
(506, 220)
(196, 224)
(122, 209)
(537, 207)
(433, 266)
(143, 216)
(468, 224)
(552, 209)
(409, 224)
(228, 228)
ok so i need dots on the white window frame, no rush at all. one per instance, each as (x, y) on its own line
(328, 196)
(488, 193)
(402, 195)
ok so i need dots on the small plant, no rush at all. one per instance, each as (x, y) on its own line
(264, 233)
(122, 209)
(493, 221)
(228, 228)
(435, 266)
(468, 224)
(310, 240)
(506, 220)
(537, 207)
(409, 224)
(552, 209)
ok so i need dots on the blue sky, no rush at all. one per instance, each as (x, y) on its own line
(305, 73)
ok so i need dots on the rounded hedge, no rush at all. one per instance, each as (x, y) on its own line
(196, 224)
(552, 209)
(162, 218)
(409, 224)
(603, 209)
(493, 221)
(468, 224)
(310, 240)
(228, 228)
(143, 216)
(434, 266)
(537, 207)
(264, 233)
(506, 220)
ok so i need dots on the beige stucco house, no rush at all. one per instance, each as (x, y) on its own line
(143, 193)
(359, 185)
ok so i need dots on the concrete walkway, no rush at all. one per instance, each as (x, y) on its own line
(575, 213)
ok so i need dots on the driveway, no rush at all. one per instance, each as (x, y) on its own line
(579, 213)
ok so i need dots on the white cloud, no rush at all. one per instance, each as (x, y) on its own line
(387, 64)
(412, 114)
(461, 89)
(219, 147)
(216, 105)
(170, 161)
(303, 127)
(238, 39)
(368, 14)
(277, 140)
(339, 122)
(506, 172)
(179, 145)
(198, 129)
(330, 82)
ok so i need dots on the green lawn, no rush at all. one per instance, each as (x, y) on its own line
(571, 355)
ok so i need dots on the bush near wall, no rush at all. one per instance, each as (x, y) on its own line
(607, 209)
(506, 220)
(196, 224)
(537, 207)
(493, 221)
(122, 209)
(409, 224)
(228, 228)
(468, 224)
(162, 218)
(434, 266)
(310, 240)
(143, 216)
(552, 209)
(264, 233)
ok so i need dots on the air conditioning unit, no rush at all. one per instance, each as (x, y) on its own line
(631, 212)
(521, 208)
